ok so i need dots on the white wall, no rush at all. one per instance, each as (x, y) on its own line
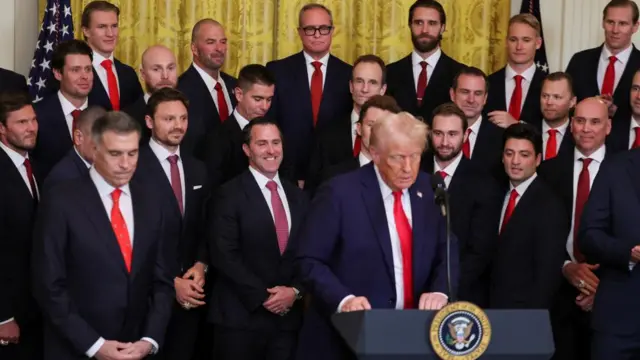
(18, 33)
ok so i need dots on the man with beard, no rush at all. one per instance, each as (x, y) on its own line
(625, 134)
(515, 89)
(179, 180)
(158, 70)
(58, 112)
(20, 327)
(474, 200)
(312, 90)
(205, 85)
(556, 100)
(420, 81)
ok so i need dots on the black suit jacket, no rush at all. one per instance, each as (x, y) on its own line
(202, 105)
(583, 68)
(245, 252)
(348, 165)
(54, 139)
(224, 156)
(188, 229)
(333, 146)
(17, 215)
(496, 100)
(12, 81)
(129, 86)
(137, 110)
(618, 139)
(70, 167)
(401, 85)
(527, 265)
(79, 276)
(291, 105)
(567, 145)
(487, 152)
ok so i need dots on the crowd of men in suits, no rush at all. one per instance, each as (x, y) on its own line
(213, 217)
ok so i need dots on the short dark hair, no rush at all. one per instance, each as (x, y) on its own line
(524, 131)
(559, 76)
(116, 121)
(382, 102)
(311, 7)
(450, 109)
(164, 95)
(470, 71)
(372, 59)
(98, 5)
(254, 74)
(89, 116)
(622, 3)
(429, 4)
(259, 121)
(11, 101)
(69, 47)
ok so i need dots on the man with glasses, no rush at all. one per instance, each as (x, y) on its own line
(320, 82)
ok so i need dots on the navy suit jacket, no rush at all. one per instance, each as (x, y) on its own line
(70, 167)
(291, 105)
(608, 231)
(496, 100)
(345, 248)
(129, 86)
(54, 139)
(12, 81)
(79, 276)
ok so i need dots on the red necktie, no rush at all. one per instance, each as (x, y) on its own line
(316, 90)
(636, 142)
(74, 114)
(510, 207)
(422, 82)
(176, 184)
(552, 145)
(466, 145)
(223, 109)
(357, 145)
(406, 238)
(279, 216)
(32, 183)
(112, 84)
(442, 174)
(609, 77)
(581, 198)
(515, 104)
(120, 230)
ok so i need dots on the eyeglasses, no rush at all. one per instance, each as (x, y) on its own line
(311, 30)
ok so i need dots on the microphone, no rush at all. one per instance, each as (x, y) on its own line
(441, 198)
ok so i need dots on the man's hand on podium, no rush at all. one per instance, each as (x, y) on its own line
(356, 304)
(432, 301)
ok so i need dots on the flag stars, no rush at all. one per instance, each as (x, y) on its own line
(44, 64)
(48, 46)
(41, 83)
(54, 9)
(53, 27)
(65, 30)
(67, 11)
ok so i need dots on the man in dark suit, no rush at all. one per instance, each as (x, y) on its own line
(474, 201)
(253, 240)
(58, 112)
(608, 69)
(99, 270)
(209, 90)
(11, 81)
(341, 141)
(572, 174)
(625, 131)
(312, 88)
(158, 70)
(527, 263)
(179, 180)
(20, 326)
(374, 238)
(515, 89)
(224, 156)
(116, 85)
(420, 81)
(557, 98)
(79, 159)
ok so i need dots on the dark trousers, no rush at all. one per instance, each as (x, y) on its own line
(234, 344)
(606, 346)
(182, 332)
(570, 325)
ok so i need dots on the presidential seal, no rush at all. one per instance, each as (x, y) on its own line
(460, 330)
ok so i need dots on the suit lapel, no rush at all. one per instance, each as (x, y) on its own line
(591, 67)
(261, 208)
(294, 209)
(301, 85)
(523, 204)
(79, 163)
(419, 249)
(566, 169)
(100, 96)
(189, 192)
(14, 175)
(438, 78)
(532, 101)
(60, 127)
(627, 75)
(498, 88)
(142, 223)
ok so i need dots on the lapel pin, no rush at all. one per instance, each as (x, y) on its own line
(419, 194)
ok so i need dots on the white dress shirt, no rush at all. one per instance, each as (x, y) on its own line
(102, 72)
(510, 83)
(632, 131)
(68, 108)
(162, 154)
(562, 129)
(146, 97)
(354, 120)
(262, 184)
(432, 61)
(473, 135)
(449, 170)
(521, 189)
(242, 121)
(621, 62)
(211, 83)
(311, 69)
(363, 160)
(18, 161)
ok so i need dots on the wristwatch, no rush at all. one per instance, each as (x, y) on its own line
(297, 292)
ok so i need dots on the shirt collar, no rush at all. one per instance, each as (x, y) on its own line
(309, 60)
(98, 59)
(451, 168)
(384, 188)
(242, 121)
(161, 153)
(634, 123)
(622, 56)
(208, 79)
(16, 158)
(263, 180)
(104, 188)
(355, 116)
(68, 107)
(363, 160)
(562, 129)
(597, 155)
(432, 60)
(524, 185)
(527, 74)
(146, 97)
(475, 128)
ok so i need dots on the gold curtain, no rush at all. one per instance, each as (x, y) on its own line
(262, 30)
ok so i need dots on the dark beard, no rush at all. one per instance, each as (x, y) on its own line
(453, 155)
(424, 47)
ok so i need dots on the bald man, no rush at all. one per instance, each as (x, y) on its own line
(360, 248)
(572, 174)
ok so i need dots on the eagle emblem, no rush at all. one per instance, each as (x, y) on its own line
(460, 335)
(460, 330)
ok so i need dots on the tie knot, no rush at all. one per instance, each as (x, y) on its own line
(217, 86)
(518, 79)
(397, 195)
(468, 131)
(586, 162)
(115, 195)
(442, 174)
(552, 132)
(27, 163)
(424, 64)
(75, 113)
(272, 186)
(173, 159)
(612, 59)
(106, 64)
(514, 193)
(317, 65)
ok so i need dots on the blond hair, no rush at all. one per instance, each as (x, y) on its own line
(402, 125)
(526, 19)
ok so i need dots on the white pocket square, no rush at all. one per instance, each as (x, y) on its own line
(197, 187)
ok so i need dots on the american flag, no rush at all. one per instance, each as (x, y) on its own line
(57, 26)
(533, 7)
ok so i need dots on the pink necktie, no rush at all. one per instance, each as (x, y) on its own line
(279, 215)
(176, 183)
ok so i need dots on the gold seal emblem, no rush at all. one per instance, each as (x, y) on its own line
(460, 330)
